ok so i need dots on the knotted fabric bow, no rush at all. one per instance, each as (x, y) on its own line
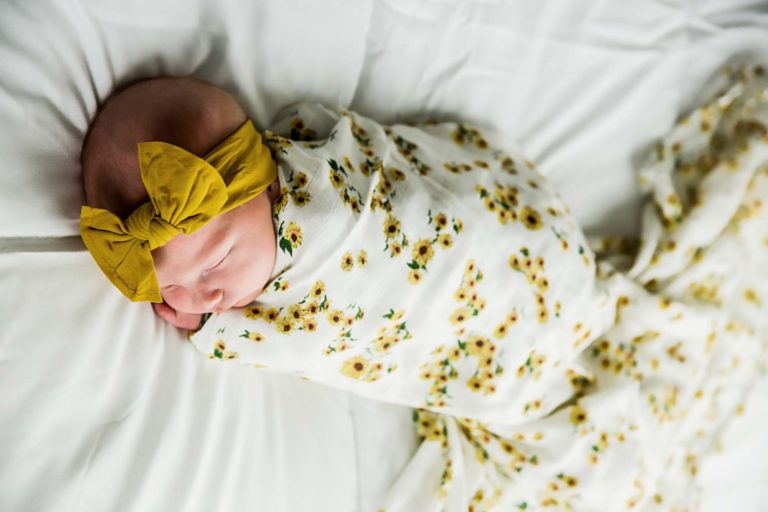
(185, 192)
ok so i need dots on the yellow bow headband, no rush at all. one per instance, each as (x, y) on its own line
(185, 192)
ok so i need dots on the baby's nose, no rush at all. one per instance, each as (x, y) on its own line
(211, 298)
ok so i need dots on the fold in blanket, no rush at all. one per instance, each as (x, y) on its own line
(421, 266)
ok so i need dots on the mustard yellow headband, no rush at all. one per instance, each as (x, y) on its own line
(185, 192)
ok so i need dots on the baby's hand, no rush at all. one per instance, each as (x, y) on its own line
(182, 320)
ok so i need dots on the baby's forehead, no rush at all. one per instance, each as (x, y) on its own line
(191, 250)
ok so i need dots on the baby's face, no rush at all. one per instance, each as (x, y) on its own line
(222, 265)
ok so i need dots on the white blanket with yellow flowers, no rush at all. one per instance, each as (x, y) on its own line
(419, 265)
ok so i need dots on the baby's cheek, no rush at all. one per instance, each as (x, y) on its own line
(249, 278)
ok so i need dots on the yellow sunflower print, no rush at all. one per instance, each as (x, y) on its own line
(355, 367)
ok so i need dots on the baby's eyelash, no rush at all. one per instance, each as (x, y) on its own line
(220, 261)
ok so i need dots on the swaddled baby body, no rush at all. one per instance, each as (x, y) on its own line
(420, 265)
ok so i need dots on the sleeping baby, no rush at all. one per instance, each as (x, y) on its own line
(222, 257)
(420, 265)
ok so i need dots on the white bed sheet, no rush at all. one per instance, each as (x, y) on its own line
(106, 408)
(93, 420)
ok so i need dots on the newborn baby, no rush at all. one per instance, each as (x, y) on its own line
(385, 247)
(422, 266)
(226, 262)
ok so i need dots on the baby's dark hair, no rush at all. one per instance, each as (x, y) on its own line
(184, 111)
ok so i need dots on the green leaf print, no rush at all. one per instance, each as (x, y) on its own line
(285, 246)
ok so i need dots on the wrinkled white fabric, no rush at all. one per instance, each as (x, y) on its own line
(421, 266)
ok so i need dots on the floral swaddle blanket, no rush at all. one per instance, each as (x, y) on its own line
(421, 266)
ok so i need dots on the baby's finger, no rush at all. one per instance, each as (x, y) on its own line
(176, 318)
(187, 320)
(165, 312)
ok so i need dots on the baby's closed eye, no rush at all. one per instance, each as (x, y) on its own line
(220, 260)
